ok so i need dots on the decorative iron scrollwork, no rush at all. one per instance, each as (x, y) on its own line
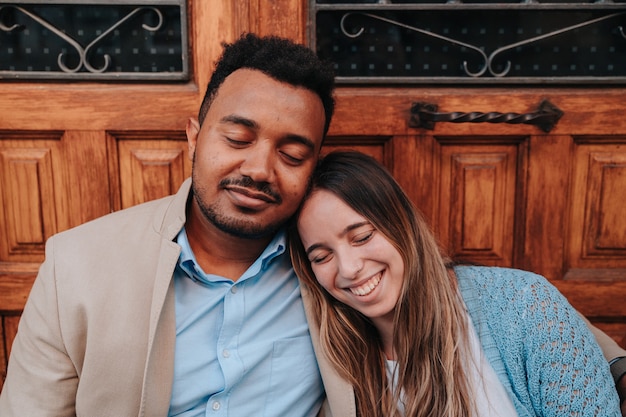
(488, 60)
(83, 52)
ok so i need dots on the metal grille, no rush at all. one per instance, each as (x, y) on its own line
(472, 42)
(115, 40)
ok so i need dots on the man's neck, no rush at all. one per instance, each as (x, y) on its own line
(221, 253)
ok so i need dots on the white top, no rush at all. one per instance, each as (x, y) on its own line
(491, 398)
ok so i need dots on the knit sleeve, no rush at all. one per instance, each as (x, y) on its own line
(569, 377)
(553, 350)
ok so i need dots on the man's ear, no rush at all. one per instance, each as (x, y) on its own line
(192, 130)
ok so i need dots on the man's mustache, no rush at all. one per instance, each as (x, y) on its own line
(249, 183)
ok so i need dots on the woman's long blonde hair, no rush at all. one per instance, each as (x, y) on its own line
(429, 325)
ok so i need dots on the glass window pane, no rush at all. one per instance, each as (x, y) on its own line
(468, 44)
(83, 41)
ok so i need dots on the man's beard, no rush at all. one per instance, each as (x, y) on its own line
(237, 227)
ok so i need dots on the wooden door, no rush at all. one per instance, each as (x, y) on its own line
(511, 194)
(498, 194)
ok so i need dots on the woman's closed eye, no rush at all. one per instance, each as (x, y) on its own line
(362, 238)
(319, 256)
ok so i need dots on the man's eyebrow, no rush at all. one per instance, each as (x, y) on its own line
(251, 124)
(238, 120)
(302, 140)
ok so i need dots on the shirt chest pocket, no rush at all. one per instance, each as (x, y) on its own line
(295, 384)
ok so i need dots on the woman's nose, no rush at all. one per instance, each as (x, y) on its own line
(350, 265)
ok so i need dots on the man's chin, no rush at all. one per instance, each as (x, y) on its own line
(240, 225)
(247, 230)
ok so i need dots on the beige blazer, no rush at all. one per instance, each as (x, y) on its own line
(97, 334)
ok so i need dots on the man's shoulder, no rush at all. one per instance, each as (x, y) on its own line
(129, 227)
(120, 241)
(131, 217)
(159, 213)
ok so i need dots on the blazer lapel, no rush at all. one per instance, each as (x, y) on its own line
(159, 370)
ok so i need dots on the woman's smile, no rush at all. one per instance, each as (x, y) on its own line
(366, 288)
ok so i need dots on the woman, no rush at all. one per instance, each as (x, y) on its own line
(418, 337)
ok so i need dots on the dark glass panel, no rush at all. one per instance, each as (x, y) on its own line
(72, 40)
(516, 45)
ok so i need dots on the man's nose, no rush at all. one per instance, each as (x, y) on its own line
(259, 165)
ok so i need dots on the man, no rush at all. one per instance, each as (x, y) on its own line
(188, 305)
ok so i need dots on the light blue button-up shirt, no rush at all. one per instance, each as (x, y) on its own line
(243, 348)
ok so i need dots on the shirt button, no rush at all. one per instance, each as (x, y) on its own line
(233, 289)
(216, 405)
(226, 353)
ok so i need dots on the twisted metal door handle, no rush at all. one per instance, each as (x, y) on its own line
(425, 115)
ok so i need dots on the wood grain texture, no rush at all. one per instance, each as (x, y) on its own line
(380, 110)
(477, 197)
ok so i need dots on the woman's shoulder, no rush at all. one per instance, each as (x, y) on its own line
(506, 291)
(490, 276)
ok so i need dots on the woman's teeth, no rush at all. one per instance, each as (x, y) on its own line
(366, 288)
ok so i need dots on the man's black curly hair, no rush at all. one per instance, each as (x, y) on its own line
(279, 58)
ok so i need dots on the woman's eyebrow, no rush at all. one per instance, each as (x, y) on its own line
(354, 226)
(313, 247)
(348, 229)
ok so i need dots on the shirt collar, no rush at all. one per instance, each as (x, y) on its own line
(188, 263)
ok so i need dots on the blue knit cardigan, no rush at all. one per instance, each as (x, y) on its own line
(541, 350)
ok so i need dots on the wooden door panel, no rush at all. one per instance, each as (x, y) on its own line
(598, 235)
(50, 182)
(32, 190)
(147, 165)
(376, 146)
(477, 199)
(28, 177)
(594, 266)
